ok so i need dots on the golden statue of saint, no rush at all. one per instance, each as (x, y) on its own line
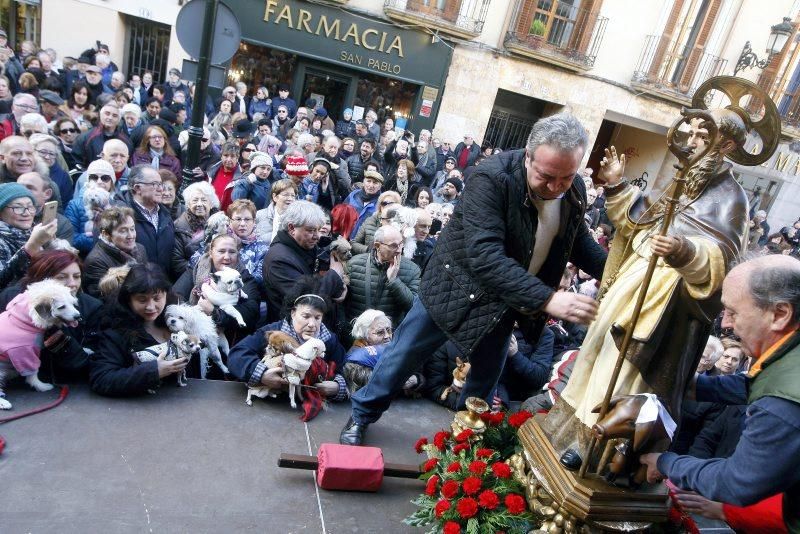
(707, 233)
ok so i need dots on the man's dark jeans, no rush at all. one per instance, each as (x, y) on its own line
(414, 342)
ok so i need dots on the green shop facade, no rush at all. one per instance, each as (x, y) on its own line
(341, 58)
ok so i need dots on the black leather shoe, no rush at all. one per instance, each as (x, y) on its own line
(571, 459)
(352, 433)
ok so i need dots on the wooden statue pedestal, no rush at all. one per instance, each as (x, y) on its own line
(591, 500)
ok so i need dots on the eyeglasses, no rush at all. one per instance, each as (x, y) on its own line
(242, 220)
(47, 154)
(390, 246)
(101, 177)
(27, 107)
(68, 130)
(21, 210)
(424, 226)
(383, 332)
(157, 185)
(156, 136)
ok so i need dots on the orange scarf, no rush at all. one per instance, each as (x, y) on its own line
(756, 367)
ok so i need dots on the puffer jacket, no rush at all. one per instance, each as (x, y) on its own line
(356, 164)
(392, 298)
(366, 234)
(478, 272)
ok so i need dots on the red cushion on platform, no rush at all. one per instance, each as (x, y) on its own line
(343, 467)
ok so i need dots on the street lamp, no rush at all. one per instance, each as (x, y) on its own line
(778, 36)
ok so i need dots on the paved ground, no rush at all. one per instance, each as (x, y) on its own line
(194, 460)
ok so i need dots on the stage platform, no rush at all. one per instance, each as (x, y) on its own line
(193, 460)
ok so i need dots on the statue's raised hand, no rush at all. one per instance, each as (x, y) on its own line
(612, 167)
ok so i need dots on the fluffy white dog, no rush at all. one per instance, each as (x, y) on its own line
(190, 319)
(43, 305)
(295, 365)
(94, 199)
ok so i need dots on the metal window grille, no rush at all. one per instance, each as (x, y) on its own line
(507, 131)
(148, 48)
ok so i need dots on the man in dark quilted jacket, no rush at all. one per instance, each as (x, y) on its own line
(498, 260)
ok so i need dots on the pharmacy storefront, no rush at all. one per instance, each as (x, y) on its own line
(342, 59)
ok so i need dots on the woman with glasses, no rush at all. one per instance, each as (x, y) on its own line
(201, 202)
(268, 220)
(20, 240)
(78, 105)
(47, 150)
(372, 331)
(66, 131)
(242, 214)
(155, 151)
(99, 175)
(366, 232)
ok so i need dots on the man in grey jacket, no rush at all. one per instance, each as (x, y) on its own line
(382, 279)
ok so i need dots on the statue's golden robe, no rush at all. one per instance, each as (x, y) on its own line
(678, 311)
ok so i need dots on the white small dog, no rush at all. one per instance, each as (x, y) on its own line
(190, 319)
(43, 305)
(224, 290)
(94, 199)
(295, 365)
(186, 345)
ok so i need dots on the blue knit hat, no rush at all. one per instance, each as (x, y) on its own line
(12, 191)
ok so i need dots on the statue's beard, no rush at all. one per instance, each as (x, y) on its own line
(696, 179)
(698, 176)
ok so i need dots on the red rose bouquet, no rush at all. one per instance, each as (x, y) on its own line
(469, 487)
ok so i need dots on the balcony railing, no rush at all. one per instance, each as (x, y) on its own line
(556, 32)
(459, 18)
(672, 71)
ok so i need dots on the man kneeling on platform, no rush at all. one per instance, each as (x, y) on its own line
(762, 304)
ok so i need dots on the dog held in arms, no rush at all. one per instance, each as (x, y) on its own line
(295, 363)
(186, 346)
(190, 319)
(224, 290)
(278, 344)
(43, 305)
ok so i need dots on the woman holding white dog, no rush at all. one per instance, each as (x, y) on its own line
(130, 356)
(20, 240)
(304, 309)
(223, 251)
(63, 355)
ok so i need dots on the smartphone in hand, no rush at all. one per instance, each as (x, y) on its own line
(49, 211)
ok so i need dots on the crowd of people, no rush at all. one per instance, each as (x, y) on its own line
(330, 222)
(278, 186)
